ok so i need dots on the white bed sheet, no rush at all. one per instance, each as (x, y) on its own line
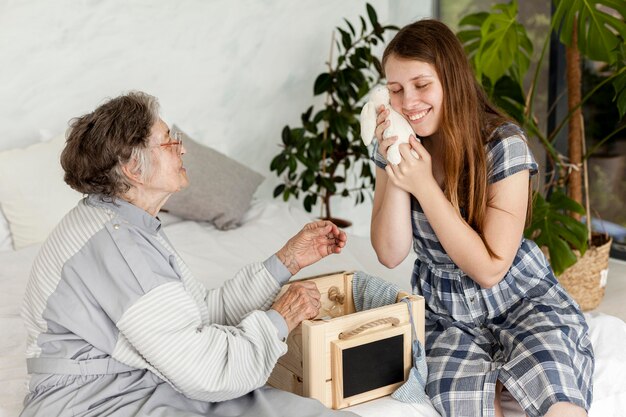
(215, 255)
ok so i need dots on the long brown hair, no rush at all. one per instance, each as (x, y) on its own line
(467, 119)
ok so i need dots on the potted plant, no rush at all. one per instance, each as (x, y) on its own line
(325, 156)
(501, 51)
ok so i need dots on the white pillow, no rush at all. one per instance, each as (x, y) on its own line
(33, 195)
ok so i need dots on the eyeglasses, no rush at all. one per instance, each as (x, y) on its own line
(175, 142)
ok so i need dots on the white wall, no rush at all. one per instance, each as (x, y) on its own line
(231, 73)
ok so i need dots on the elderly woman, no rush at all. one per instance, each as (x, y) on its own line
(117, 325)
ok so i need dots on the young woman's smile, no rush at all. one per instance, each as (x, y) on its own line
(415, 92)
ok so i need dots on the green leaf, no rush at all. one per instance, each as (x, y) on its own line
(470, 35)
(561, 201)
(308, 179)
(474, 19)
(328, 184)
(561, 256)
(301, 157)
(350, 26)
(355, 77)
(306, 116)
(357, 61)
(366, 170)
(309, 202)
(551, 227)
(391, 27)
(279, 190)
(322, 84)
(293, 164)
(319, 116)
(275, 162)
(346, 40)
(504, 46)
(341, 126)
(279, 163)
(371, 13)
(286, 135)
(470, 40)
(297, 135)
(596, 27)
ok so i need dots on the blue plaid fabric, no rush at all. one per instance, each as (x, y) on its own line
(371, 292)
(526, 331)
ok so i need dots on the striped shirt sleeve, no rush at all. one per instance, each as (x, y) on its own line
(208, 362)
(211, 345)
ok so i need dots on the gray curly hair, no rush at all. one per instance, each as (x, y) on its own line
(101, 142)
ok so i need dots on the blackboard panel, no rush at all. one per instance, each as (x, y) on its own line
(373, 365)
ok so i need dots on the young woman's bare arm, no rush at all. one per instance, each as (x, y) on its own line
(391, 232)
(504, 221)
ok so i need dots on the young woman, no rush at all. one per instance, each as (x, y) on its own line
(495, 314)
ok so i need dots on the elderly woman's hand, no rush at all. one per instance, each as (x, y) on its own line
(314, 242)
(300, 302)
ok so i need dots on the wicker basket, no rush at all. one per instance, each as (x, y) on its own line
(586, 279)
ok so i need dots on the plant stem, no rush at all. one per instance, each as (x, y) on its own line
(530, 97)
(574, 136)
(586, 188)
(600, 143)
(326, 200)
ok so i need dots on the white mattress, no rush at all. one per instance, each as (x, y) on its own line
(215, 255)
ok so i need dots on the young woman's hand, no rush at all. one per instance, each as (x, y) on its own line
(414, 174)
(382, 123)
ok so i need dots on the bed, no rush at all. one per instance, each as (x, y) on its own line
(215, 254)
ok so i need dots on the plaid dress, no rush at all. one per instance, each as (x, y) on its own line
(526, 331)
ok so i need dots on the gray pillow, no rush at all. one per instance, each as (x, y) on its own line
(220, 188)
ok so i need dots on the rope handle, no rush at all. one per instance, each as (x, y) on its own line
(335, 295)
(387, 320)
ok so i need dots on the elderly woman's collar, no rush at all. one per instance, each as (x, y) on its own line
(129, 212)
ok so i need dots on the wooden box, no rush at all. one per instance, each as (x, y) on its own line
(343, 357)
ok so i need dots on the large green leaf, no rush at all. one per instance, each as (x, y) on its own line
(504, 46)
(596, 26)
(553, 228)
(469, 35)
(496, 43)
